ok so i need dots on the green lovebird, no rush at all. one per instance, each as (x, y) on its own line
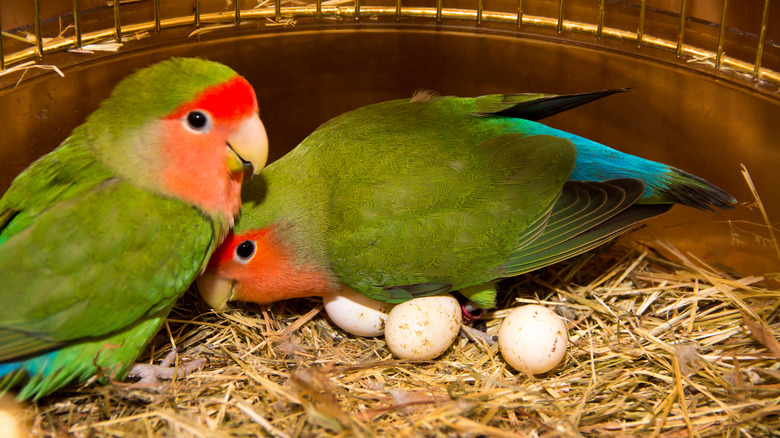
(100, 237)
(420, 196)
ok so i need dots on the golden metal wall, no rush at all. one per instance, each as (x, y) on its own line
(683, 111)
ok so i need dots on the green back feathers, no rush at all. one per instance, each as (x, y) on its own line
(355, 185)
(414, 196)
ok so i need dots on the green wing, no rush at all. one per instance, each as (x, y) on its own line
(96, 262)
(60, 175)
(586, 215)
(446, 222)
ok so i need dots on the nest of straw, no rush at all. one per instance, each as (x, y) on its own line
(660, 344)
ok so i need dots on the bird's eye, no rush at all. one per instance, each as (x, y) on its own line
(245, 251)
(198, 121)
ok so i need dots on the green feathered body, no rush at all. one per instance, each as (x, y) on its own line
(88, 257)
(413, 197)
(100, 237)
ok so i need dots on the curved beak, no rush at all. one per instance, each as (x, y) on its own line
(247, 147)
(215, 290)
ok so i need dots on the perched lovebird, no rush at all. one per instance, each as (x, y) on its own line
(415, 197)
(100, 237)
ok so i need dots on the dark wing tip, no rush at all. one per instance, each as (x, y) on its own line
(690, 190)
(543, 107)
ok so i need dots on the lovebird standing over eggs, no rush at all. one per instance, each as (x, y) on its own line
(418, 196)
(101, 236)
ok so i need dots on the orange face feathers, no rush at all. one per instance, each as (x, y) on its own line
(226, 254)
(265, 269)
(209, 141)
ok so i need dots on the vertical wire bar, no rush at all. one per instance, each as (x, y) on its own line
(438, 10)
(157, 26)
(319, 9)
(357, 9)
(640, 32)
(560, 16)
(398, 10)
(761, 41)
(197, 13)
(519, 13)
(38, 34)
(681, 32)
(117, 23)
(601, 20)
(721, 35)
(237, 12)
(77, 22)
(479, 11)
(2, 55)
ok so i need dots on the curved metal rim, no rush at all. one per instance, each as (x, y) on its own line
(204, 22)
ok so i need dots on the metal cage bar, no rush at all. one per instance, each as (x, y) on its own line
(640, 32)
(76, 23)
(157, 27)
(761, 41)
(117, 22)
(721, 35)
(437, 13)
(681, 31)
(38, 34)
(2, 54)
(601, 19)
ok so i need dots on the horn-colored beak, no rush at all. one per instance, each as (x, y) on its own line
(215, 290)
(247, 147)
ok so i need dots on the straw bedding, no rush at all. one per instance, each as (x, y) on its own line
(661, 344)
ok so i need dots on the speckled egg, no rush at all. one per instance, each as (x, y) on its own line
(423, 328)
(533, 338)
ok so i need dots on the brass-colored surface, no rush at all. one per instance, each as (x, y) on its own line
(303, 77)
(695, 35)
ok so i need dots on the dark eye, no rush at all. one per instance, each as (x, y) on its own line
(244, 251)
(198, 121)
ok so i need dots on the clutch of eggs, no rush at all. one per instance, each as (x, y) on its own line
(422, 328)
(531, 339)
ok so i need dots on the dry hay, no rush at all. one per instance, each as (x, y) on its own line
(660, 345)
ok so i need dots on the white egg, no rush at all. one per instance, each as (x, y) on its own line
(533, 338)
(9, 424)
(423, 328)
(356, 313)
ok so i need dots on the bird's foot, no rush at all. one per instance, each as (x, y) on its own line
(477, 335)
(150, 373)
(470, 312)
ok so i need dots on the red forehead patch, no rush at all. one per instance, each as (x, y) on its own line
(226, 101)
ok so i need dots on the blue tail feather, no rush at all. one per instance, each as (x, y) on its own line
(663, 184)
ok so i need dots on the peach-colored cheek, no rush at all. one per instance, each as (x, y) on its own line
(195, 169)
